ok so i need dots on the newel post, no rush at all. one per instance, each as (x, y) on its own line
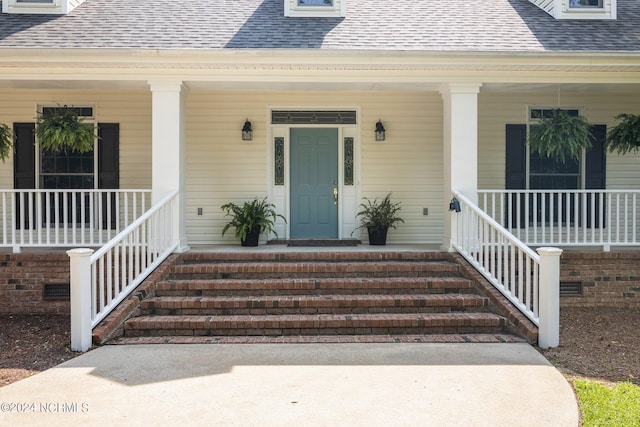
(80, 266)
(549, 309)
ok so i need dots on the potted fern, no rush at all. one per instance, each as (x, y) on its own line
(625, 136)
(561, 136)
(6, 141)
(250, 219)
(377, 216)
(61, 129)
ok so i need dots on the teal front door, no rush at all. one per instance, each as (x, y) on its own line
(313, 177)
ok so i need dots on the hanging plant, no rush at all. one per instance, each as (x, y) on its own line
(625, 136)
(6, 141)
(62, 129)
(561, 136)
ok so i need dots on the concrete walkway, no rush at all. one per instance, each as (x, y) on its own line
(296, 385)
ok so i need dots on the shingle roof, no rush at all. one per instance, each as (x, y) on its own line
(413, 25)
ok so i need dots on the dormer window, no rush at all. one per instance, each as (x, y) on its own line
(315, 3)
(315, 8)
(579, 9)
(51, 7)
(585, 4)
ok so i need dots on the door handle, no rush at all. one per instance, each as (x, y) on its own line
(335, 195)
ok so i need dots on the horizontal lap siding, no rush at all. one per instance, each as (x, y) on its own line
(497, 110)
(222, 168)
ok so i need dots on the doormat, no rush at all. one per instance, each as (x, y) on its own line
(322, 242)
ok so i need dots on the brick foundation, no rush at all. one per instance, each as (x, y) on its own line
(22, 280)
(608, 279)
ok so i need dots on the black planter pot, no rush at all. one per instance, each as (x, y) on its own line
(377, 235)
(252, 238)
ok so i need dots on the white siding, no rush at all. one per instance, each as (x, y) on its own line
(132, 109)
(222, 168)
(497, 110)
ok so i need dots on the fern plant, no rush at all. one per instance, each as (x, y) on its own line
(256, 214)
(6, 141)
(62, 129)
(561, 136)
(379, 214)
(625, 136)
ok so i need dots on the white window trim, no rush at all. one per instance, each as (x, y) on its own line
(54, 7)
(337, 10)
(606, 11)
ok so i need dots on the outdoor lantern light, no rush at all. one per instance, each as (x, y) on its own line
(380, 131)
(247, 132)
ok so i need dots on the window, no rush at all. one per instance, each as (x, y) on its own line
(315, 2)
(529, 171)
(61, 170)
(550, 174)
(315, 8)
(35, 1)
(585, 4)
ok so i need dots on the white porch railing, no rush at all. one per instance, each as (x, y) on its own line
(527, 279)
(67, 218)
(100, 281)
(567, 217)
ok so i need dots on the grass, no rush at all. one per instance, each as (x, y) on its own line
(603, 406)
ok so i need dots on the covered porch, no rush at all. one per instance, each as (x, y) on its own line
(181, 152)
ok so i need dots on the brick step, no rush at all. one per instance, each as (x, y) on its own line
(323, 324)
(244, 270)
(321, 304)
(317, 286)
(324, 339)
(316, 256)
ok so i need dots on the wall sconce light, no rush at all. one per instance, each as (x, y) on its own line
(380, 131)
(247, 132)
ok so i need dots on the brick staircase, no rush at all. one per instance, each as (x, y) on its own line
(344, 296)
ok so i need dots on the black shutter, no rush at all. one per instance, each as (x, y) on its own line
(595, 165)
(516, 170)
(24, 168)
(24, 158)
(595, 171)
(109, 165)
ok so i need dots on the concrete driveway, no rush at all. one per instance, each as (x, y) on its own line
(296, 385)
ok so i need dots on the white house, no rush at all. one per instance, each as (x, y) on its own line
(455, 84)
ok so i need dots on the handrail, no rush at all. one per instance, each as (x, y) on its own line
(123, 263)
(506, 262)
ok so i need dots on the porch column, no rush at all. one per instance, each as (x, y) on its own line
(460, 101)
(168, 148)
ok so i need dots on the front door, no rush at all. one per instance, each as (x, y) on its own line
(314, 180)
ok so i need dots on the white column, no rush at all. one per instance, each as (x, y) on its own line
(168, 149)
(80, 287)
(460, 102)
(549, 297)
